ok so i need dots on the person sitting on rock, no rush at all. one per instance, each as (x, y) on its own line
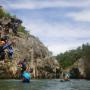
(5, 45)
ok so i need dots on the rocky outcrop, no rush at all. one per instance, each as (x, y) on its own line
(84, 68)
(80, 69)
(39, 58)
(8, 70)
(27, 46)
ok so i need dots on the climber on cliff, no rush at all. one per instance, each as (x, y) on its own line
(4, 46)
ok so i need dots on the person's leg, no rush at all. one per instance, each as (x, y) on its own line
(3, 56)
(10, 56)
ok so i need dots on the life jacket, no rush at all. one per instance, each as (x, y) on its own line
(26, 75)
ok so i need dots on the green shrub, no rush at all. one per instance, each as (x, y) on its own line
(70, 57)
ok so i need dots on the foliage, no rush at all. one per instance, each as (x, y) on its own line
(4, 14)
(22, 29)
(70, 57)
(86, 50)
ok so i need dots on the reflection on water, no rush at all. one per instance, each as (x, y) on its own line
(45, 85)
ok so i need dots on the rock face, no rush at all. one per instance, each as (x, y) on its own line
(27, 46)
(84, 68)
(80, 70)
(40, 59)
(81, 67)
(37, 55)
(8, 70)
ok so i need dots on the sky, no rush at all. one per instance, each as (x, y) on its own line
(60, 24)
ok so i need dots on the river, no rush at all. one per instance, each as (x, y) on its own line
(53, 84)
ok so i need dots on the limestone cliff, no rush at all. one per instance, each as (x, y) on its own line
(84, 68)
(38, 56)
(80, 69)
(27, 46)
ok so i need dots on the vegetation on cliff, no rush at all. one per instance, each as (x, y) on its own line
(70, 57)
(3, 13)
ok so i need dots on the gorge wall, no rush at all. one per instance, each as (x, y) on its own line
(27, 47)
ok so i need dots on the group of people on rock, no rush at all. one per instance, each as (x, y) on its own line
(6, 48)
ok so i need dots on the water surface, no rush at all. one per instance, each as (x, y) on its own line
(45, 85)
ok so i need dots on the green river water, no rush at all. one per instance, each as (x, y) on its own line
(53, 84)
